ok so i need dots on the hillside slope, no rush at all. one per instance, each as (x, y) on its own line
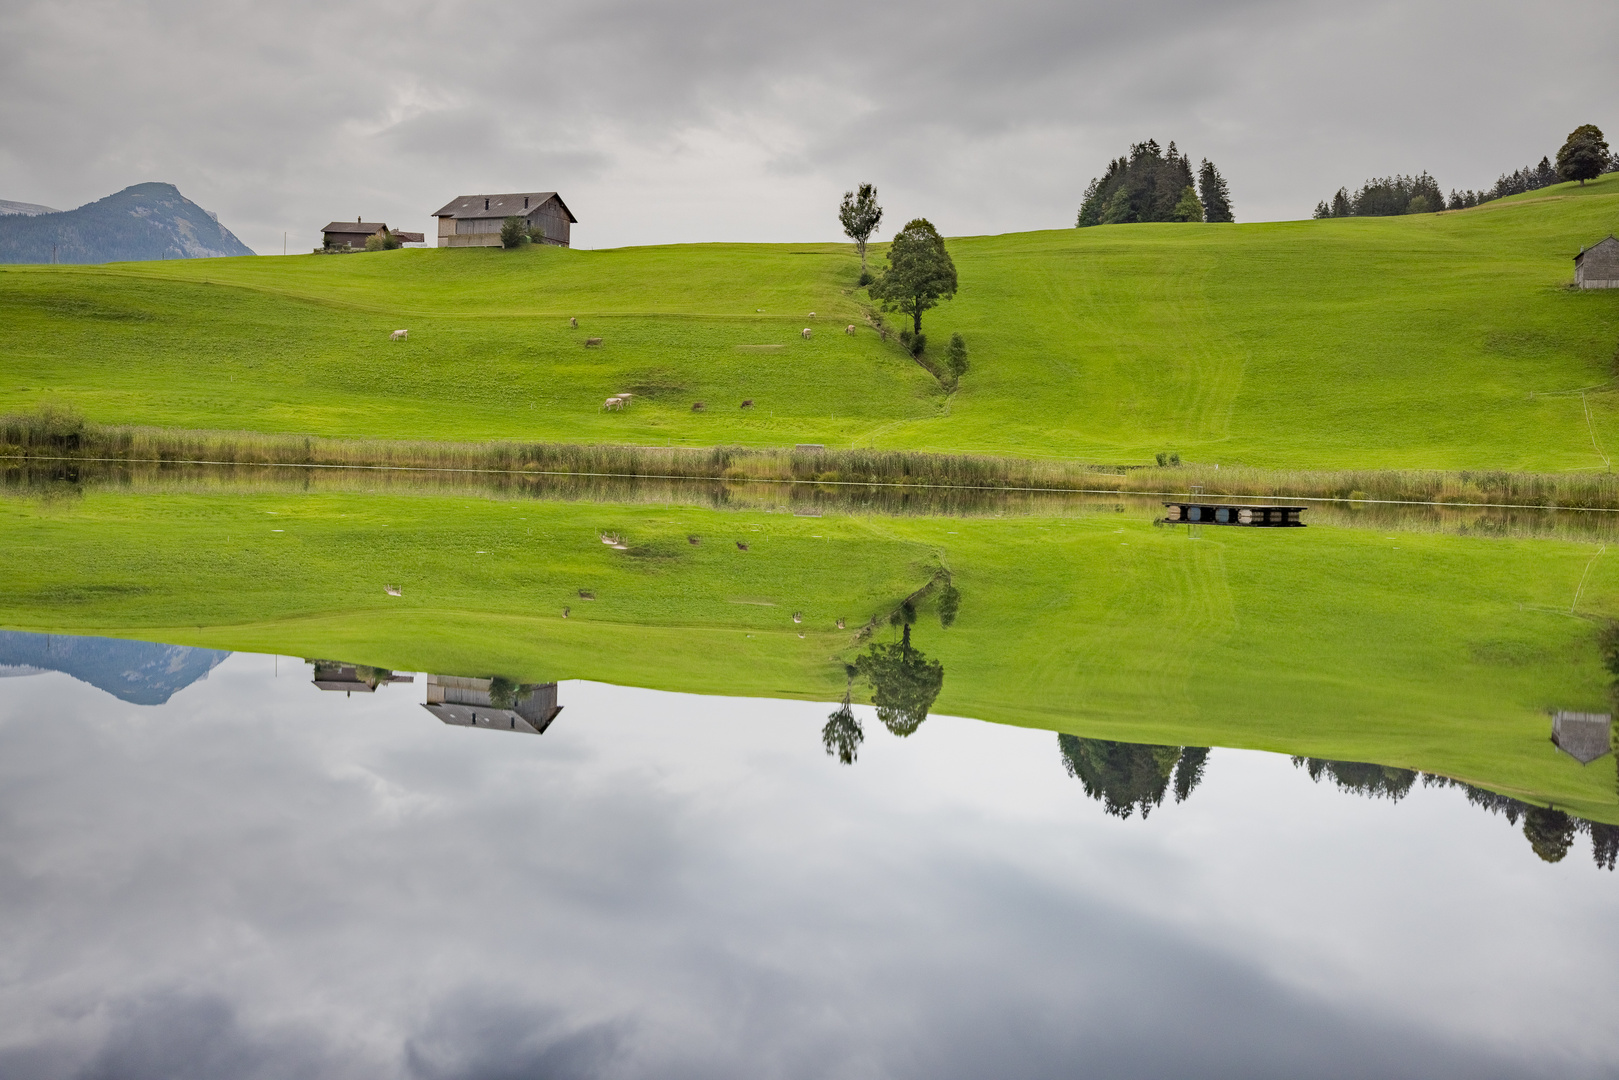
(147, 221)
(1445, 341)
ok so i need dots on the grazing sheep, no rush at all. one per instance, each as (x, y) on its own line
(798, 616)
(573, 323)
(694, 540)
(812, 314)
(748, 404)
(840, 624)
(613, 403)
(806, 333)
(699, 406)
(740, 546)
(587, 594)
(592, 342)
(393, 590)
(399, 335)
(565, 610)
(849, 329)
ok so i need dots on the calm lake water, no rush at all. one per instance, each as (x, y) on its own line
(223, 863)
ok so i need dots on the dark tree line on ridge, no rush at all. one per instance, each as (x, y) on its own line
(1583, 156)
(1151, 184)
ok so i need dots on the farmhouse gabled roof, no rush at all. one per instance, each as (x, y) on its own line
(367, 227)
(1599, 244)
(493, 206)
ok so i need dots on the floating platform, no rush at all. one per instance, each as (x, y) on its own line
(1253, 517)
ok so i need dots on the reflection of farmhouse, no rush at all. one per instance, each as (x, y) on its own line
(475, 220)
(470, 703)
(336, 675)
(1597, 267)
(352, 235)
(1582, 736)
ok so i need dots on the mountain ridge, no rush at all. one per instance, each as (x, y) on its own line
(141, 222)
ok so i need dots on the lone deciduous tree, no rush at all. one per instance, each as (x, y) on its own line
(1584, 155)
(920, 272)
(860, 216)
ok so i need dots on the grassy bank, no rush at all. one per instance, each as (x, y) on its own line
(1421, 649)
(51, 436)
(1438, 342)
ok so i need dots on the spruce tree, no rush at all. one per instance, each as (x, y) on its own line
(1213, 193)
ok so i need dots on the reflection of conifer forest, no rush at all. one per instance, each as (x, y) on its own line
(1130, 777)
(1550, 831)
(1126, 777)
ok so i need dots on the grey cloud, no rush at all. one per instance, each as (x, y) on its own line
(986, 117)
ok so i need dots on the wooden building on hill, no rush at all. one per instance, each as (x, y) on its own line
(475, 220)
(1597, 267)
(352, 235)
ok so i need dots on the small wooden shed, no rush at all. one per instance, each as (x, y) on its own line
(475, 220)
(1597, 267)
(352, 235)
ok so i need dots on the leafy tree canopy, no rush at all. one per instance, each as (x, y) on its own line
(920, 272)
(1584, 154)
(860, 216)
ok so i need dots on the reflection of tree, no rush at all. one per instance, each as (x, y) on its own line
(1549, 832)
(1360, 777)
(504, 692)
(842, 734)
(1127, 777)
(904, 683)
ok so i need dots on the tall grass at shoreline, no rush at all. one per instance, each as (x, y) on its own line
(56, 435)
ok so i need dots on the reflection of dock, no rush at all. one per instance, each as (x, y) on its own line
(492, 703)
(1254, 517)
(353, 678)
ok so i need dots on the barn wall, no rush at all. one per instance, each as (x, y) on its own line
(1599, 269)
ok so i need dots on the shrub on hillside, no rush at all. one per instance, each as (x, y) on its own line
(512, 232)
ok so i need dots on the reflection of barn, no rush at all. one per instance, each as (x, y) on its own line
(1582, 736)
(472, 703)
(352, 678)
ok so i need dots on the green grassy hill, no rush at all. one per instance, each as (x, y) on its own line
(1414, 341)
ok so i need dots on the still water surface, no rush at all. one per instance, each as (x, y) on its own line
(210, 867)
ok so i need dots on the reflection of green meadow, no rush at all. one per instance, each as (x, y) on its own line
(1415, 649)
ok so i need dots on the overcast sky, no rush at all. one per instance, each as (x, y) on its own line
(731, 120)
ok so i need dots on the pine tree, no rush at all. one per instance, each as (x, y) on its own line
(1213, 193)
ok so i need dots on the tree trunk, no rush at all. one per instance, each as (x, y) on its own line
(917, 315)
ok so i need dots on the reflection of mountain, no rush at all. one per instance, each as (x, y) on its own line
(141, 672)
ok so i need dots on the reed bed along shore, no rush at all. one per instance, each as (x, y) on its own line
(59, 436)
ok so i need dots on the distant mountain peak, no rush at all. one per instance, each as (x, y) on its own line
(27, 209)
(143, 221)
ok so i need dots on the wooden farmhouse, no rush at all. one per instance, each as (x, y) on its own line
(475, 220)
(352, 235)
(1597, 267)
